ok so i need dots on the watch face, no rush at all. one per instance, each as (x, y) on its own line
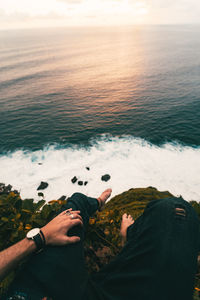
(32, 233)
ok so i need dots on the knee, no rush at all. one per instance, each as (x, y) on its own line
(168, 202)
(176, 203)
(77, 199)
(173, 204)
(77, 196)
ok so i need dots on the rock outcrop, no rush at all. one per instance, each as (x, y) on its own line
(43, 185)
(105, 177)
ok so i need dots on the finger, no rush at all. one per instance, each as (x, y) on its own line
(70, 211)
(69, 223)
(75, 216)
(65, 211)
(75, 222)
(73, 239)
(75, 211)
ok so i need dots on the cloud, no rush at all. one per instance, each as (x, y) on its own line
(17, 16)
(71, 1)
(44, 13)
(18, 20)
(173, 12)
(160, 3)
(182, 4)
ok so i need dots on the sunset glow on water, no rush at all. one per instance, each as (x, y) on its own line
(134, 89)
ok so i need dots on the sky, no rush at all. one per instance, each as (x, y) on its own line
(55, 13)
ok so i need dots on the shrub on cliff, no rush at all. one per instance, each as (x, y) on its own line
(102, 241)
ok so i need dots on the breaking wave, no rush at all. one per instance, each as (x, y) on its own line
(131, 162)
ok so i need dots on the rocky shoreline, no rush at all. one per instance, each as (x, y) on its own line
(43, 186)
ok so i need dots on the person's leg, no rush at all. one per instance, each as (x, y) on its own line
(159, 259)
(60, 270)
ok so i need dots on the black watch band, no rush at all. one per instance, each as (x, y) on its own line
(38, 241)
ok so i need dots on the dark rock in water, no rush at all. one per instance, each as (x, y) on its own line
(2, 186)
(41, 194)
(74, 179)
(62, 198)
(86, 182)
(40, 164)
(80, 182)
(43, 185)
(87, 168)
(7, 188)
(105, 177)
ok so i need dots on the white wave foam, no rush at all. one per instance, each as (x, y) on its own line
(130, 161)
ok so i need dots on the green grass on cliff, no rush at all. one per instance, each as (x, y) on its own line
(102, 241)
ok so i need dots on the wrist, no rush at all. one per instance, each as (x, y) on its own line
(30, 245)
(45, 235)
(36, 235)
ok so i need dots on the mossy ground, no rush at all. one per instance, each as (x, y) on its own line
(102, 241)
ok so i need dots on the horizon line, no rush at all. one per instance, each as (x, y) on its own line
(98, 26)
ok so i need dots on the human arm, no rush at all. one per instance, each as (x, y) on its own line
(55, 233)
(12, 256)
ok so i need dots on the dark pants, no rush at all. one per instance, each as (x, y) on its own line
(158, 261)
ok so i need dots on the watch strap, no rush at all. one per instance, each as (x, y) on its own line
(38, 241)
(43, 237)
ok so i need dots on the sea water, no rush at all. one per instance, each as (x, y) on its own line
(122, 101)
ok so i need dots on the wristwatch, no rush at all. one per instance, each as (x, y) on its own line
(37, 236)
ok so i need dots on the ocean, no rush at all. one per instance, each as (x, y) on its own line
(123, 101)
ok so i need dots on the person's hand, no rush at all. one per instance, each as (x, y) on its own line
(55, 231)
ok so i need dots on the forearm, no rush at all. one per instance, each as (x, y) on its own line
(12, 256)
(55, 233)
